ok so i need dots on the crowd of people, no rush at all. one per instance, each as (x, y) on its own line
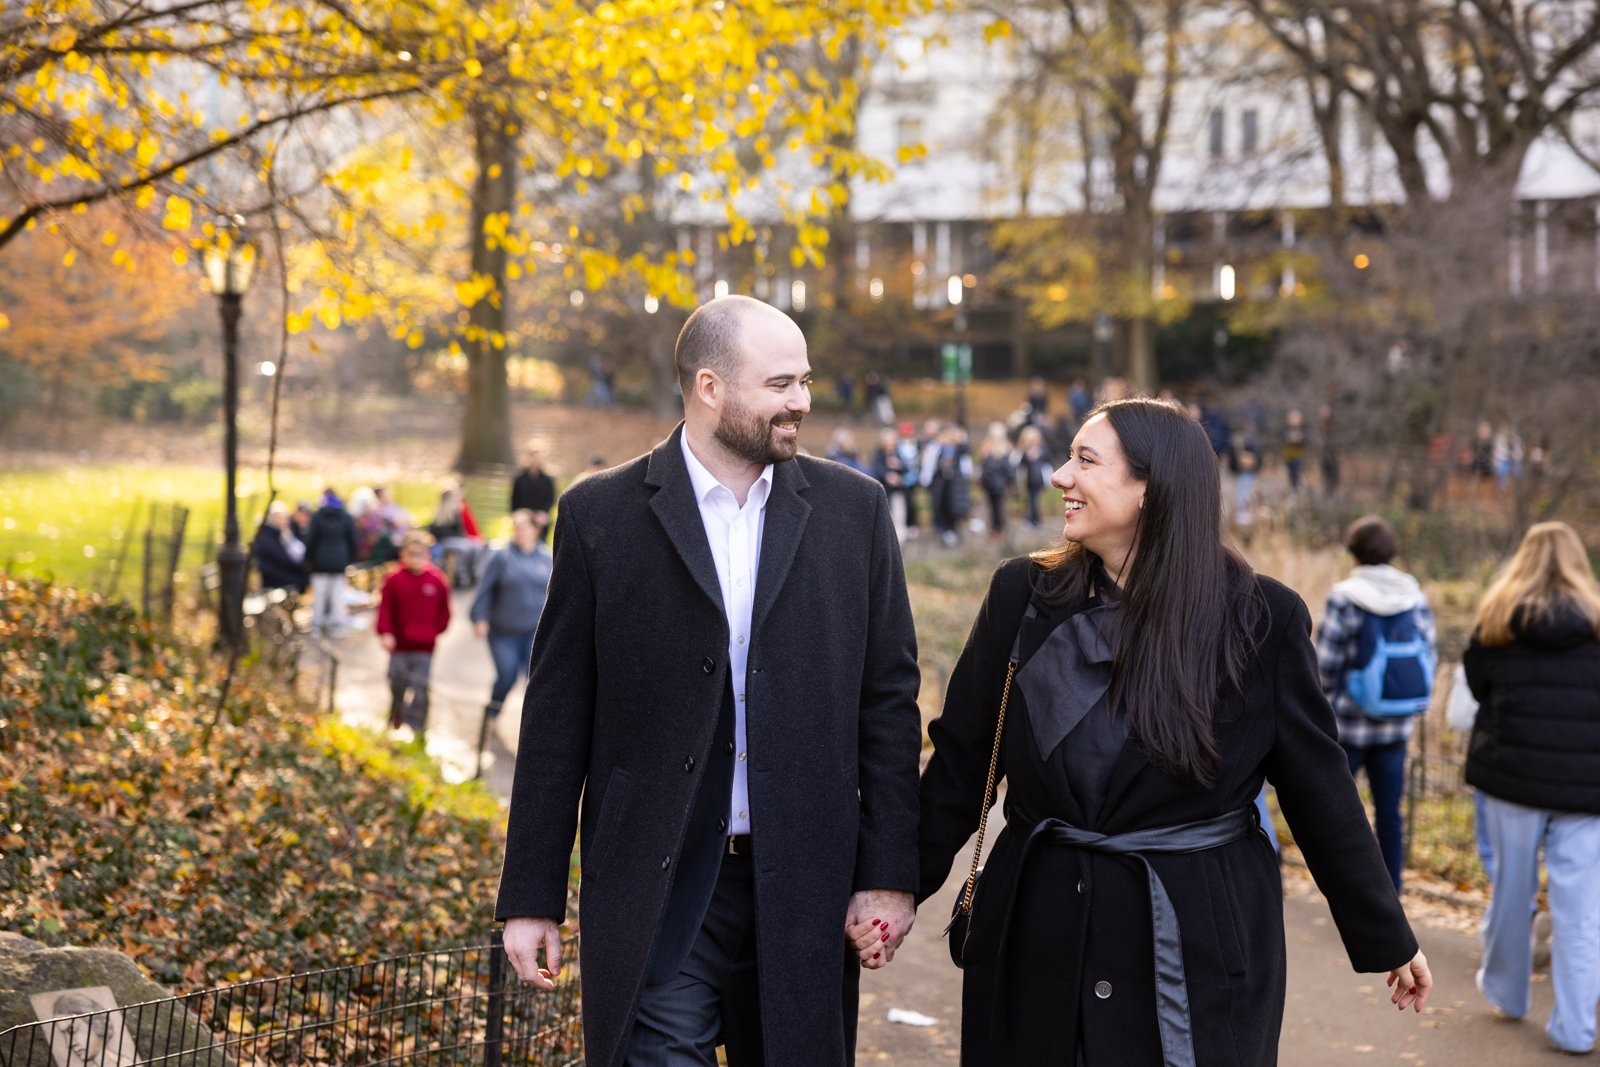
(315, 551)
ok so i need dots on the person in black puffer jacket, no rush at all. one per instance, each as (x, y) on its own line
(1534, 667)
(330, 548)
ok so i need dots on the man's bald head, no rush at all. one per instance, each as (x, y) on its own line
(711, 339)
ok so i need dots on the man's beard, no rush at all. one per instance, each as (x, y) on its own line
(750, 437)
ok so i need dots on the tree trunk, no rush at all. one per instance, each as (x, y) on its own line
(1138, 233)
(486, 418)
(665, 402)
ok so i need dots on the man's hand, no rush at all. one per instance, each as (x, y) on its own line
(1412, 983)
(481, 629)
(876, 922)
(524, 938)
(387, 641)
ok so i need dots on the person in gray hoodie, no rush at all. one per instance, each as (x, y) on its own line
(508, 603)
(1373, 588)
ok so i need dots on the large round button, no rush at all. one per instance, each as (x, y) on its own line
(708, 665)
(688, 764)
(722, 826)
(665, 860)
(1083, 886)
(1102, 990)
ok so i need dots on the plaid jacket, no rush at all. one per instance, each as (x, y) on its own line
(1336, 647)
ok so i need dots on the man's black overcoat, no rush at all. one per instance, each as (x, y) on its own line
(624, 698)
(1078, 975)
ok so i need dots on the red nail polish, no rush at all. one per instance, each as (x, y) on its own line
(877, 922)
(886, 935)
(875, 955)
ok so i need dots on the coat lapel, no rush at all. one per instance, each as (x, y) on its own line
(787, 511)
(679, 513)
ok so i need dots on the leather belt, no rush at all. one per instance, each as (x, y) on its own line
(1172, 992)
(738, 844)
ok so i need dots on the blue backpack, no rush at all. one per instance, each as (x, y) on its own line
(1391, 676)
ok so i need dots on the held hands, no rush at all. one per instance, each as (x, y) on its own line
(387, 641)
(1412, 983)
(876, 922)
(523, 939)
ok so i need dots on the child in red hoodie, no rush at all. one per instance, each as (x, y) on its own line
(413, 610)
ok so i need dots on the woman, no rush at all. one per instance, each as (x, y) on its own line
(1159, 681)
(455, 533)
(996, 475)
(509, 601)
(1534, 666)
(1033, 462)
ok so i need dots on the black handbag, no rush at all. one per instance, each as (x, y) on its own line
(961, 914)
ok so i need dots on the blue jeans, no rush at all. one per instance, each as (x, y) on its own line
(1572, 859)
(511, 653)
(1386, 774)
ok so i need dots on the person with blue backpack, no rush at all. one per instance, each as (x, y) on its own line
(1376, 655)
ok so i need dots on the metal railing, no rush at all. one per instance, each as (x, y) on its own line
(455, 1007)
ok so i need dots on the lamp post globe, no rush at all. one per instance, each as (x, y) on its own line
(229, 262)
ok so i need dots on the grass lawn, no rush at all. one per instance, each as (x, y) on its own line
(73, 523)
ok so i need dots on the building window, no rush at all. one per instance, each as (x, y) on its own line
(1248, 132)
(907, 135)
(1218, 133)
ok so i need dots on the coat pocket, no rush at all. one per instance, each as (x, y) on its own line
(1225, 915)
(613, 810)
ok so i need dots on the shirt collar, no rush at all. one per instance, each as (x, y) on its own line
(704, 482)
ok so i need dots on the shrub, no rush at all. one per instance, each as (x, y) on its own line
(212, 849)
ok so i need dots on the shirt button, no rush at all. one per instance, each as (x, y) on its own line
(741, 698)
(1102, 990)
(744, 815)
(708, 665)
(688, 764)
(741, 757)
(741, 639)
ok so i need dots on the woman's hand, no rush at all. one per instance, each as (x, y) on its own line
(1412, 983)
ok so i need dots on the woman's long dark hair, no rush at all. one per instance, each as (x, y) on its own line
(1190, 605)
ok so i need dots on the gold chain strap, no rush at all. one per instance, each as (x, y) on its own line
(988, 792)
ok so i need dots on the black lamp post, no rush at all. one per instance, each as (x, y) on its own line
(230, 260)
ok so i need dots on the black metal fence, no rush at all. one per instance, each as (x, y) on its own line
(460, 1006)
(1441, 837)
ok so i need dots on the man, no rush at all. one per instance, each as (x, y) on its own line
(725, 670)
(1375, 603)
(534, 490)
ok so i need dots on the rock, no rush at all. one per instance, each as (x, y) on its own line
(27, 967)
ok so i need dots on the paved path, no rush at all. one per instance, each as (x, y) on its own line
(1333, 1017)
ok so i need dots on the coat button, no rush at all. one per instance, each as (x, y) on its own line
(1083, 887)
(688, 764)
(1102, 990)
(722, 826)
(708, 665)
(729, 749)
(665, 860)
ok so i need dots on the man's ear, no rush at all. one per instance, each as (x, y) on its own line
(708, 388)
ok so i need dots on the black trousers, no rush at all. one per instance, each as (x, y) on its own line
(714, 998)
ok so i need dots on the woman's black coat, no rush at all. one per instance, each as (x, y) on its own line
(1078, 970)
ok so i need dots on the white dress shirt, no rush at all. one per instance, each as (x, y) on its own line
(735, 536)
